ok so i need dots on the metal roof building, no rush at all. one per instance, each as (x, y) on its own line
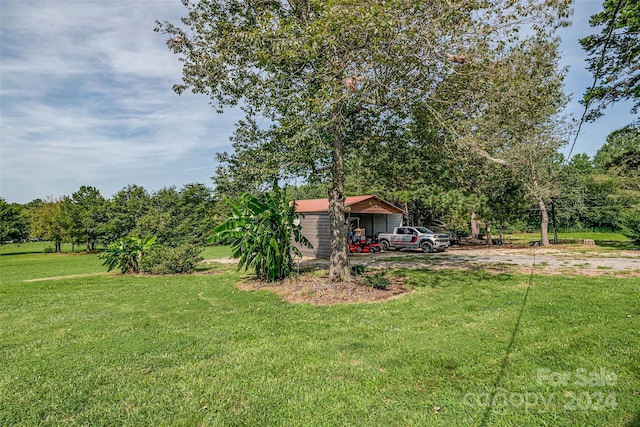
(368, 213)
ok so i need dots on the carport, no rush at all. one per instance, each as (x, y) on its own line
(369, 213)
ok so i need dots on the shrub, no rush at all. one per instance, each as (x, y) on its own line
(357, 270)
(171, 260)
(49, 250)
(377, 281)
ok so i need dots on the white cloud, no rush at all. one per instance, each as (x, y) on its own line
(87, 100)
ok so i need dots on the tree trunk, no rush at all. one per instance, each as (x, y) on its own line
(544, 222)
(405, 213)
(338, 261)
(88, 246)
(544, 215)
(553, 222)
(487, 227)
(501, 230)
(58, 246)
(475, 227)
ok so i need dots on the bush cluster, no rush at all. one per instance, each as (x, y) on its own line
(377, 281)
(171, 260)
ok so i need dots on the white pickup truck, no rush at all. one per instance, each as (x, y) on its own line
(413, 238)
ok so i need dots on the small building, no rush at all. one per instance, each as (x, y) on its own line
(370, 215)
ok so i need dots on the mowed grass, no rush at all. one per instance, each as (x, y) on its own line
(40, 247)
(603, 241)
(460, 349)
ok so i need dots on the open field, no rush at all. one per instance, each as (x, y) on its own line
(606, 240)
(467, 346)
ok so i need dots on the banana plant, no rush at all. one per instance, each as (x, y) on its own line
(262, 229)
(126, 253)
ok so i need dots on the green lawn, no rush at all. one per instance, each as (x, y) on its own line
(499, 350)
(38, 247)
(614, 241)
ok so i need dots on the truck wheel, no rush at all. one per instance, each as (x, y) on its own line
(384, 246)
(427, 248)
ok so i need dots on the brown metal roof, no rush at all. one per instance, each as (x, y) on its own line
(354, 204)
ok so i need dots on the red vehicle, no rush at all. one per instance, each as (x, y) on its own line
(363, 245)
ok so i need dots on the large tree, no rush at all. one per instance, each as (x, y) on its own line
(318, 78)
(87, 216)
(13, 222)
(124, 210)
(48, 221)
(614, 56)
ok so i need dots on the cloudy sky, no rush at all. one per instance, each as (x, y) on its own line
(86, 99)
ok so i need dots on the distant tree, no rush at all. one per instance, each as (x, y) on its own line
(87, 216)
(198, 213)
(180, 216)
(124, 210)
(13, 222)
(48, 222)
(613, 56)
(618, 172)
(163, 217)
(630, 222)
(621, 152)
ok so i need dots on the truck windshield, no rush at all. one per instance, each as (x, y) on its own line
(423, 230)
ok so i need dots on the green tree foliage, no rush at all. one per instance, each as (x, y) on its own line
(48, 222)
(613, 56)
(180, 216)
(328, 76)
(124, 210)
(163, 217)
(261, 229)
(595, 194)
(617, 171)
(199, 214)
(630, 222)
(13, 222)
(126, 253)
(87, 216)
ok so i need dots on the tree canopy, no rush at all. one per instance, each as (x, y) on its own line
(318, 79)
(613, 56)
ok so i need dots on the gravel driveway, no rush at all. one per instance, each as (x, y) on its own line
(553, 260)
(581, 260)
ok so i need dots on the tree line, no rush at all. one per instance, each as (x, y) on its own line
(469, 197)
(176, 216)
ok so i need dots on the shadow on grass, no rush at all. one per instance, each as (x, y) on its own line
(621, 246)
(505, 360)
(635, 422)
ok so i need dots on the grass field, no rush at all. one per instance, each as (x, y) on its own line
(461, 349)
(615, 241)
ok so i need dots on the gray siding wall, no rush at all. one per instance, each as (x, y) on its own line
(316, 228)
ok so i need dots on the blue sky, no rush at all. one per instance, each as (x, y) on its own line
(86, 99)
